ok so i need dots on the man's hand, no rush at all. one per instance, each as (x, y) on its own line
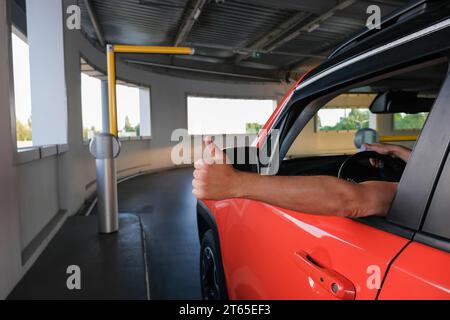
(380, 148)
(214, 177)
(387, 149)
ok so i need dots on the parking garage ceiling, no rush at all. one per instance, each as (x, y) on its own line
(259, 40)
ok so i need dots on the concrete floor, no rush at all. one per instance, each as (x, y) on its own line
(159, 205)
(109, 266)
(168, 212)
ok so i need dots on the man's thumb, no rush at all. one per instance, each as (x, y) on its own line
(214, 153)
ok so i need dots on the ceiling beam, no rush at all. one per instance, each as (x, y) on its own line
(192, 12)
(270, 42)
(242, 50)
(94, 20)
(212, 72)
(274, 34)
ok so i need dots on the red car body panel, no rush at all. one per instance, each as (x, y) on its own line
(420, 272)
(264, 265)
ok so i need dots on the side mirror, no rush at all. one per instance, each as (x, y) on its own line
(244, 158)
(365, 135)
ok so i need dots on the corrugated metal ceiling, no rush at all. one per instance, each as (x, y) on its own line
(227, 29)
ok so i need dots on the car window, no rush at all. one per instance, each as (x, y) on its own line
(332, 129)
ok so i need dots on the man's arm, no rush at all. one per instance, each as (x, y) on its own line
(312, 194)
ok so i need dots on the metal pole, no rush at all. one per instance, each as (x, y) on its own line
(105, 148)
(105, 151)
(105, 107)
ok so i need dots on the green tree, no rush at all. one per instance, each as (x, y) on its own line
(88, 133)
(252, 127)
(356, 119)
(85, 133)
(128, 127)
(23, 131)
(138, 130)
(404, 121)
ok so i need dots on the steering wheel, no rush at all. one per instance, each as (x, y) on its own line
(357, 168)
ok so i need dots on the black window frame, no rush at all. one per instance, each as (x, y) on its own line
(435, 229)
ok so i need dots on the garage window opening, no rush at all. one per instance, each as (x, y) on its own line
(133, 107)
(209, 115)
(128, 121)
(22, 90)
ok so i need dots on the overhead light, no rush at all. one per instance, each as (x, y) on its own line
(256, 54)
(197, 14)
(313, 27)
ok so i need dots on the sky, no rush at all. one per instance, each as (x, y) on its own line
(331, 116)
(21, 67)
(219, 115)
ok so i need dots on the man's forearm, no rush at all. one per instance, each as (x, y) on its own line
(315, 194)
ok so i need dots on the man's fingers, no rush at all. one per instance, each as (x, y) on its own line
(377, 147)
(210, 152)
(374, 162)
(377, 163)
(199, 174)
(200, 164)
(207, 140)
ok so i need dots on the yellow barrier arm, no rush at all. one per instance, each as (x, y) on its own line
(398, 138)
(119, 48)
(112, 100)
(111, 51)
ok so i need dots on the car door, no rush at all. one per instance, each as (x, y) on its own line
(422, 270)
(274, 253)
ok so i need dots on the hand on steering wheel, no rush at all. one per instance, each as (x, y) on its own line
(358, 168)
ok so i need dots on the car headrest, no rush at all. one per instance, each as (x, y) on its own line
(365, 135)
(400, 101)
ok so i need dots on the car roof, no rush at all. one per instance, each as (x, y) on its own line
(414, 17)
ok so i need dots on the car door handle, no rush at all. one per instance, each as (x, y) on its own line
(330, 280)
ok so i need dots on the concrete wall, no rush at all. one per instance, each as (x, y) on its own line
(10, 264)
(39, 189)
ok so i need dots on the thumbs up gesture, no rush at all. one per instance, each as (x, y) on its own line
(214, 176)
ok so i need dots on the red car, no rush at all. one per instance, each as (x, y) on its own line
(253, 250)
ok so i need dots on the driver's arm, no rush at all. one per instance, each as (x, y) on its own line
(323, 195)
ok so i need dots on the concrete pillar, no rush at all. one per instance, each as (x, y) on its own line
(145, 112)
(372, 121)
(48, 86)
(10, 252)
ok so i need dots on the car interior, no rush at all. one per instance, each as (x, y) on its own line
(395, 112)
